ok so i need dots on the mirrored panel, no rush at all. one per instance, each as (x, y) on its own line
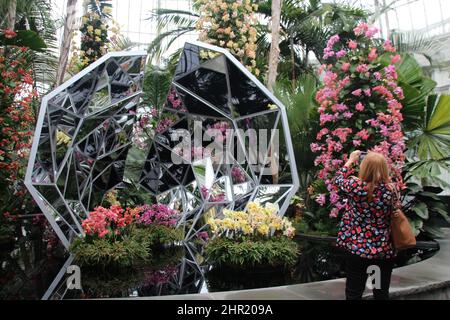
(82, 140)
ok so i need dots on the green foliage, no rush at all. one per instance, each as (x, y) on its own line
(414, 42)
(431, 140)
(171, 24)
(156, 86)
(416, 88)
(25, 38)
(299, 99)
(306, 27)
(245, 252)
(130, 194)
(156, 235)
(425, 210)
(429, 172)
(128, 251)
(36, 16)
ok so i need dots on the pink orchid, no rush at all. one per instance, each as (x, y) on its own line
(361, 29)
(373, 55)
(396, 59)
(359, 107)
(321, 200)
(341, 54)
(345, 66)
(347, 115)
(363, 134)
(388, 46)
(352, 44)
(362, 68)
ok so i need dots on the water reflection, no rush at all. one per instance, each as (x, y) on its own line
(28, 271)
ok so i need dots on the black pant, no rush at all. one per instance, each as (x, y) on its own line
(357, 274)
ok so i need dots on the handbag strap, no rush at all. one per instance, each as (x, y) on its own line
(396, 199)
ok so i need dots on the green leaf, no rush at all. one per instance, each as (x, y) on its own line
(429, 195)
(416, 225)
(434, 231)
(421, 210)
(440, 119)
(25, 38)
(433, 142)
(414, 187)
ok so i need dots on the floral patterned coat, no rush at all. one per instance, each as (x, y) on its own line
(365, 227)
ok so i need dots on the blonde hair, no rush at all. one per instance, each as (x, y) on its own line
(374, 170)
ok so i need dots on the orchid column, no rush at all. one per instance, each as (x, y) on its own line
(359, 109)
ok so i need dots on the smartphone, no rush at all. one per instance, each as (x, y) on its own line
(362, 155)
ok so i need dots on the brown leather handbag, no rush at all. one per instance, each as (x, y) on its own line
(401, 231)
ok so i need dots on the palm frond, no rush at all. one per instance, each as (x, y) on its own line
(120, 43)
(98, 6)
(171, 24)
(36, 15)
(156, 85)
(416, 43)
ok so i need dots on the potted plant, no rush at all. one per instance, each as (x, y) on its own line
(111, 239)
(157, 225)
(258, 239)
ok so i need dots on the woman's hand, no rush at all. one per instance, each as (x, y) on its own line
(397, 213)
(354, 156)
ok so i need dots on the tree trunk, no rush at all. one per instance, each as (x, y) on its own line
(66, 40)
(274, 46)
(11, 15)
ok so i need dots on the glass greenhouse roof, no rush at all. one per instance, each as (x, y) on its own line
(427, 17)
(133, 16)
(430, 17)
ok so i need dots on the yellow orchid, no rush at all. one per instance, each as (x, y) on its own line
(62, 138)
(258, 220)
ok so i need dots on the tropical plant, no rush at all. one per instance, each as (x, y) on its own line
(171, 24)
(426, 212)
(94, 40)
(431, 139)
(17, 97)
(36, 16)
(416, 89)
(157, 82)
(101, 252)
(299, 99)
(426, 125)
(111, 238)
(416, 43)
(305, 28)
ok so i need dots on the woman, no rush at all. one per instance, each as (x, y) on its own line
(365, 228)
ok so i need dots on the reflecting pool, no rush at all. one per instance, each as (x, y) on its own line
(34, 268)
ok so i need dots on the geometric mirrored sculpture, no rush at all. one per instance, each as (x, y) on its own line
(82, 139)
(223, 140)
